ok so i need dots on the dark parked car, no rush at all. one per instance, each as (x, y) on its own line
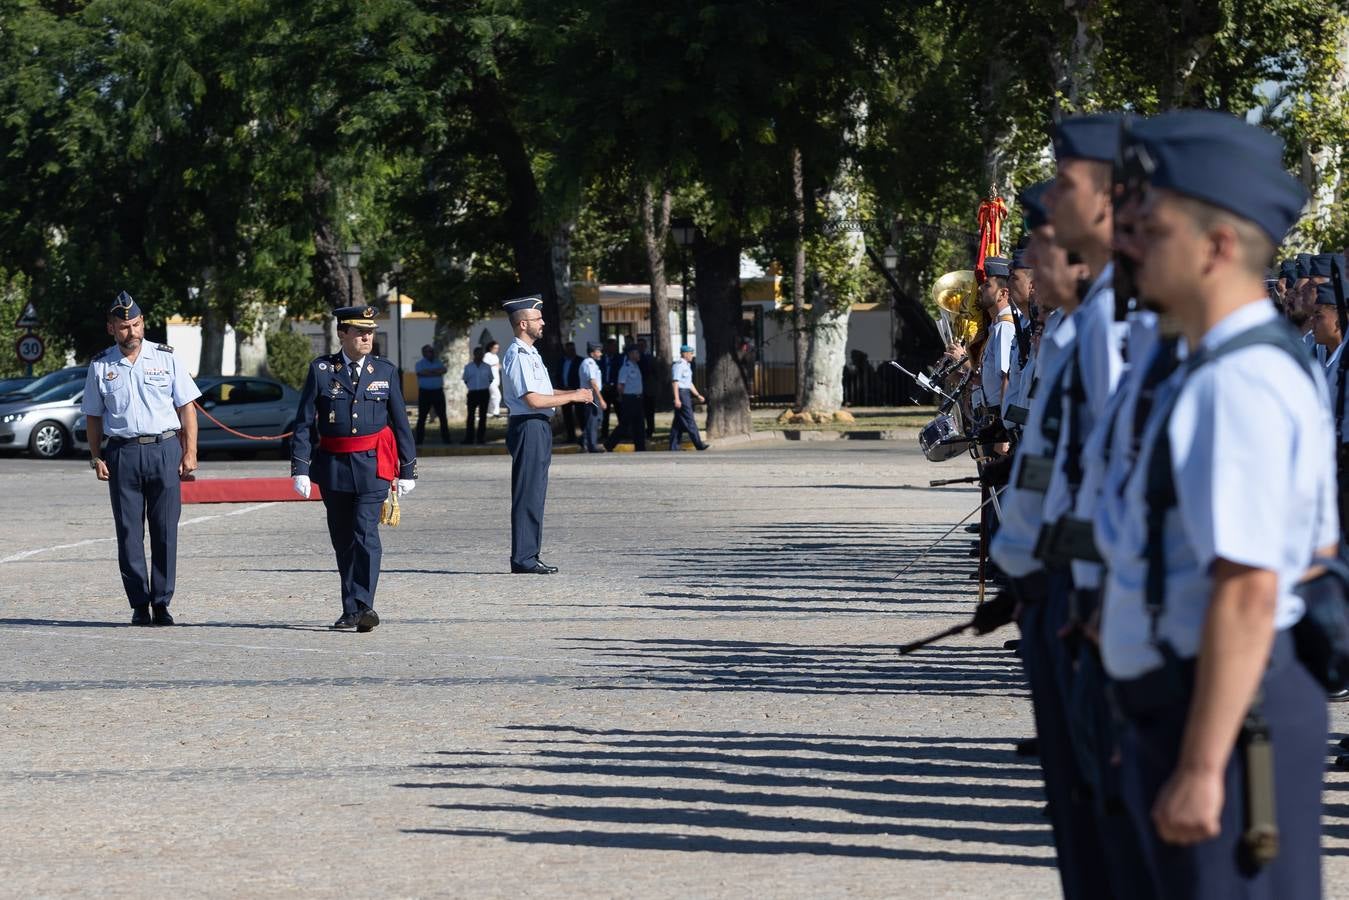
(258, 407)
(45, 383)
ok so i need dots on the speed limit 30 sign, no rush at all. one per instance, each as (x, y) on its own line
(29, 348)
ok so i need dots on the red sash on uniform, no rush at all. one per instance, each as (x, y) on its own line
(382, 442)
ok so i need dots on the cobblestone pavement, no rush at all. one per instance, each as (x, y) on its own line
(705, 702)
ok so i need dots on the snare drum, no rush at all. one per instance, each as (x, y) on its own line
(941, 440)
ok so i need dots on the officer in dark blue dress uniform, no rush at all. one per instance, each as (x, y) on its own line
(140, 396)
(353, 439)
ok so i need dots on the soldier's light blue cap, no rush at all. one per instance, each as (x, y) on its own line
(685, 348)
(124, 307)
(523, 304)
(592, 346)
(1222, 161)
(1032, 201)
(997, 267)
(1020, 260)
(1320, 265)
(1094, 137)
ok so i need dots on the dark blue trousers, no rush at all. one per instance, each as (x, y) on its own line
(144, 484)
(630, 423)
(353, 526)
(1294, 708)
(1081, 860)
(684, 422)
(590, 427)
(530, 442)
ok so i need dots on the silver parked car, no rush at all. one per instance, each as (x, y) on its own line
(253, 405)
(42, 424)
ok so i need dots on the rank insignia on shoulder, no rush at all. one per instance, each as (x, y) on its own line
(164, 347)
(323, 366)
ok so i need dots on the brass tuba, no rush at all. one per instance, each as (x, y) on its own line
(956, 295)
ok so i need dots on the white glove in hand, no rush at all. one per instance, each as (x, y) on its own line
(405, 486)
(300, 484)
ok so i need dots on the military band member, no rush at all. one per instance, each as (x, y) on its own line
(995, 365)
(352, 438)
(528, 394)
(1019, 288)
(140, 397)
(1203, 558)
(681, 374)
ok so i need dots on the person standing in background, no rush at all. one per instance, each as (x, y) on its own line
(431, 394)
(478, 379)
(569, 378)
(590, 412)
(494, 392)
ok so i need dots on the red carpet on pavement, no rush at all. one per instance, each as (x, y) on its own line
(242, 490)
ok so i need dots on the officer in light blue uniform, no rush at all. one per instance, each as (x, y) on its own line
(1210, 534)
(1079, 854)
(631, 411)
(352, 437)
(681, 375)
(530, 399)
(139, 396)
(591, 377)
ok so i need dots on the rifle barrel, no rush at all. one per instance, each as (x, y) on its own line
(906, 649)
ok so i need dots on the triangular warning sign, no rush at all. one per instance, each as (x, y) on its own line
(28, 319)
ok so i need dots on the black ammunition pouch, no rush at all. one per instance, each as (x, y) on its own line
(1017, 415)
(1066, 540)
(1036, 473)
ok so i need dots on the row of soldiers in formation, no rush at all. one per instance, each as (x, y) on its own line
(1169, 487)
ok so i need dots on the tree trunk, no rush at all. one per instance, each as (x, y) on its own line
(827, 355)
(213, 321)
(1322, 172)
(655, 232)
(831, 309)
(338, 285)
(800, 337)
(253, 321)
(720, 310)
(453, 346)
(531, 246)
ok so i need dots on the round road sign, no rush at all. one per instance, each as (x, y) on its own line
(30, 348)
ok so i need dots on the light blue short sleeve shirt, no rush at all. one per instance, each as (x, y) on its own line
(523, 372)
(681, 373)
(137, 398)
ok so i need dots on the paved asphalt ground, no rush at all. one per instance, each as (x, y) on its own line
(704, 703)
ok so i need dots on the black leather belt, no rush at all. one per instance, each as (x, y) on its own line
(526, 418)
(143, 438)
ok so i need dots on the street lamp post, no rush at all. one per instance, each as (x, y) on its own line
(890, 259)
(398, 314)
(353, 260)
(684, 233)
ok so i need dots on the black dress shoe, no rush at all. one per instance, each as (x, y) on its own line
(1344, 743)
(704, 446)
(348, 620)
(1028, 747)
(1013, 644)
(1342, 762)
(536, 569)
(1338, 696)
(141, 617)
(366, 620)
(161, 616)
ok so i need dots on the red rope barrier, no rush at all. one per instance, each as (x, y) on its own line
(275, 437)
